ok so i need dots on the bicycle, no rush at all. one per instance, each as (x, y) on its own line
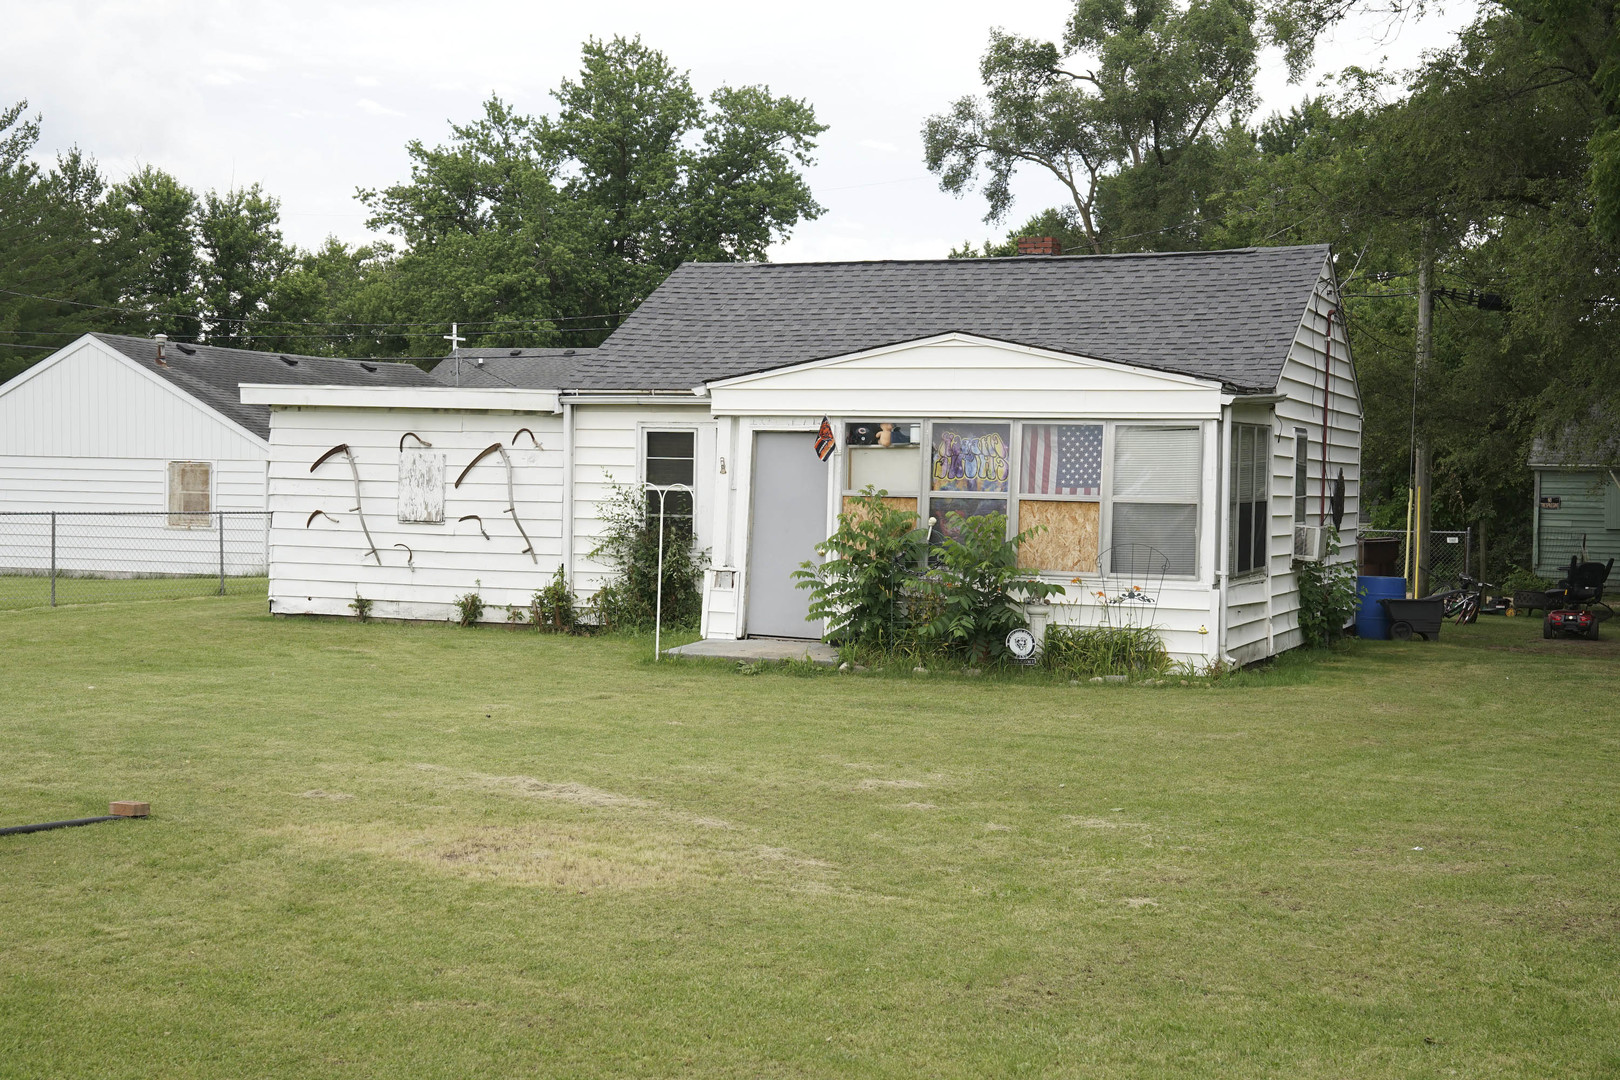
(1462, 603)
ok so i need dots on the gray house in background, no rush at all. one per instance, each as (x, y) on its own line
(1577, 506)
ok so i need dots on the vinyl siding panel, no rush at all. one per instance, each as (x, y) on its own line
(320, 566)
(1579, 519)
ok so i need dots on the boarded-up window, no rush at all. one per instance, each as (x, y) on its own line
(191, 486)
(855, 513)
(1069, 541)
(421, 487)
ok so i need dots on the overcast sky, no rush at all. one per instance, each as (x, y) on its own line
(313, 100)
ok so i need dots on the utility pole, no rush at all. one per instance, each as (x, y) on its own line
(455, 341)
(1419, 542)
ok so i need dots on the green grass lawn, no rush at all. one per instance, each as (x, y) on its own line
(18, 591)
(417, 851)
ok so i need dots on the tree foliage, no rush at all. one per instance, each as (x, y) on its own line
(1137, 87)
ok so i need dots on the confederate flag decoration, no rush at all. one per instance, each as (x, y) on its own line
(825, 443)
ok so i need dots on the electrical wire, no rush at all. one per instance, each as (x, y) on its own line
(294, 322)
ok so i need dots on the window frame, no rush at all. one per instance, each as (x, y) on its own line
(1260, 476)
(643, 434)
(1111, 438)
(187, 519)
(928, 500)
(1302, 473)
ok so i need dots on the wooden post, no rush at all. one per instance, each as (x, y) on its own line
(1420, 443)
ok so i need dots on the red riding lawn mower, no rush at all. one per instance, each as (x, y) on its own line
(1575, 606)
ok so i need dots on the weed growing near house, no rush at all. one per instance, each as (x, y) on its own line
(1086, 651)
(1328, 596)
(551, 610)
(361, 608)
(976, 586)
(865, 585)
(470, 606)
(629, 544)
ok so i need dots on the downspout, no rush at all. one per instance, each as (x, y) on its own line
(1223, 554)
(1327, 381)
(568, 493)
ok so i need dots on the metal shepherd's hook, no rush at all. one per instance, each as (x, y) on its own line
(663, 491)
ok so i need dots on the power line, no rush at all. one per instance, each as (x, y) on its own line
(289, 322)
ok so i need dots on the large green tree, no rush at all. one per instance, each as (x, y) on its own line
(545, 230)
(52, 285)
(148, 227)
(1137, 94)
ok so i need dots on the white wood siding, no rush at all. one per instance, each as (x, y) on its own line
(607, 456)
(1302, 385)
(89, 431)
(321, 568)
(960, 376)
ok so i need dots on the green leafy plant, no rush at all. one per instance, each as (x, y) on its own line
(1136, 651)
(1522, 580)
(470, 606)
(552, 610)
(361, 607)
(977, 585)
(864, 584)
(629, 544)
(1328, 596)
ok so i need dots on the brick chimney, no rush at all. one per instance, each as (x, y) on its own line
(1039, 245)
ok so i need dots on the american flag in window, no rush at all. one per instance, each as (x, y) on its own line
(1062, 459)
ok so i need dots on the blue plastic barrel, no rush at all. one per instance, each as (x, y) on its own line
(1371, 621)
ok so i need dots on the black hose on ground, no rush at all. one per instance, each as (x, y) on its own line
(58, 824)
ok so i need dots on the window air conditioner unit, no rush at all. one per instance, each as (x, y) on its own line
(1310, 543)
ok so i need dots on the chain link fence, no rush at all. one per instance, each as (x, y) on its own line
(51, 558)
(1559, 546)
(1448, 555)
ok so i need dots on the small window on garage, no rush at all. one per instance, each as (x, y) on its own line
(1250, 530)
(670, 457)
(191, 486)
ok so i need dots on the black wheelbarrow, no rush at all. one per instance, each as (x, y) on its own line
(1421, 617)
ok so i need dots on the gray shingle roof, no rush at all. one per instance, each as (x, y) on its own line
(528, 369)
(215, 376)
(1227, 315)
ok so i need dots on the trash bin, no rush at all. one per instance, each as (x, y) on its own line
(1372, 621)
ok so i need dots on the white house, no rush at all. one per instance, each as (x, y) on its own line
(155, 432)
(1178, 422)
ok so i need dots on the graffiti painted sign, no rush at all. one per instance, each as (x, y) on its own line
(971, 457)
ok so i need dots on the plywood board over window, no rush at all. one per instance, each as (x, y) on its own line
(1068, 543)
(421, 487)
(855, 513)
(191, 486)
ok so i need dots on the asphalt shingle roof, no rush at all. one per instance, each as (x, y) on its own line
(527, 369)
(1227, 315)
(215, 376)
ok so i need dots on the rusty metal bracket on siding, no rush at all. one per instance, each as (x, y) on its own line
(511, 498)
(474, 517)
(354, 471)
(413, 435)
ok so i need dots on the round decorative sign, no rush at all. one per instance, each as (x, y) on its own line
(1021, 643)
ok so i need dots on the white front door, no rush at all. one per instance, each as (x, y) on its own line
(789, 507)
